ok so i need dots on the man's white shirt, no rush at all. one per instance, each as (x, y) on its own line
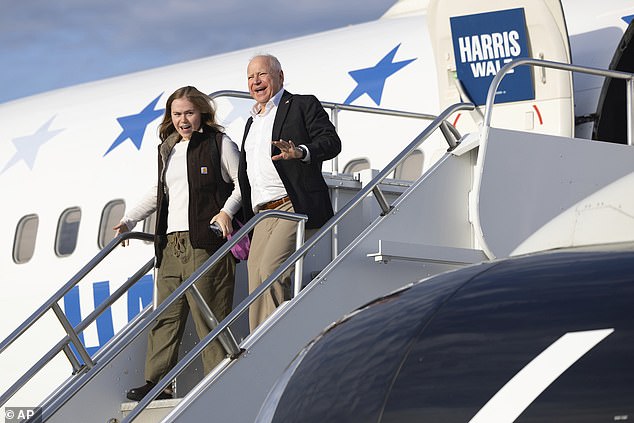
(265, 182)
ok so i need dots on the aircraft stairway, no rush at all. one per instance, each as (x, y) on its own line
(415, 237)
(496, 193)
(348, 281)
(118, 364)
(102, 380)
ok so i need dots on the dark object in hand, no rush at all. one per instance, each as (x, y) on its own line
(216, 229)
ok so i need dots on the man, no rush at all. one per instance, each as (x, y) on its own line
(285, 142)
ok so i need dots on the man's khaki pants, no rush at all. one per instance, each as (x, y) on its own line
(272, 243)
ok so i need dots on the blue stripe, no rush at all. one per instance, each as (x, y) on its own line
(105, 329)
(140, 295)
(72, 309)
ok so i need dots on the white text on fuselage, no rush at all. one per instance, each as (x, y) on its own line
(487, 53)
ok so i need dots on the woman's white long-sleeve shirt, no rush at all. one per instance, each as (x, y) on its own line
(178, 188)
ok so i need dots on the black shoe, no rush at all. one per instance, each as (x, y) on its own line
(137, 394)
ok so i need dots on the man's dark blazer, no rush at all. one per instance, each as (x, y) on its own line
(301, 119)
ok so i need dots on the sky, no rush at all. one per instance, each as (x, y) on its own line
(45, 45)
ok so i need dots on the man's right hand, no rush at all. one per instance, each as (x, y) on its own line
(288, 150)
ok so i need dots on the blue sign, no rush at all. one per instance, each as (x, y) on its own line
(482, 44)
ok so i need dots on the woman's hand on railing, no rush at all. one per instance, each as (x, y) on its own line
(119, 229)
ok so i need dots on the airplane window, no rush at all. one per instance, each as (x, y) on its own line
(110, 216)
(411, 168)
(67, 231)
(25, 234)
(356, 165)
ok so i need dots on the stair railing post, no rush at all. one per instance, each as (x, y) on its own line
(380, 198)
(70, 331)
(300, 236)
(226, 338)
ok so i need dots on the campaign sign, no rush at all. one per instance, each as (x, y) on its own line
(482, 44)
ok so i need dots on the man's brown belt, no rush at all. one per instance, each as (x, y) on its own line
(275, 203)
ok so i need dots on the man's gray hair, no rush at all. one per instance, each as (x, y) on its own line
(274, 64)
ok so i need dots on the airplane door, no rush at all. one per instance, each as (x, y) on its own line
(473, 40)
(611, 124)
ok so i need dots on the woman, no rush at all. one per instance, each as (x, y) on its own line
(190, 194)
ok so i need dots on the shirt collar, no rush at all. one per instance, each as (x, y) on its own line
(270, 105)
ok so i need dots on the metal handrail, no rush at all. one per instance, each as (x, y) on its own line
(102, 358)
(628, 77)
(125, 337)
(72, 333)
(335, 108)
(64, 342)
(371, 187)
(338, 106)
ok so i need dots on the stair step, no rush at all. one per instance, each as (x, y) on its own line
(154, 412)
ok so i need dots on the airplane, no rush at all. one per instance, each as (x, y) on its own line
(72, 159)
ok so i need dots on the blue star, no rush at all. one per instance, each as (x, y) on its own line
(134, 125)
(628, 19)
(28, 146)
(371, 81)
